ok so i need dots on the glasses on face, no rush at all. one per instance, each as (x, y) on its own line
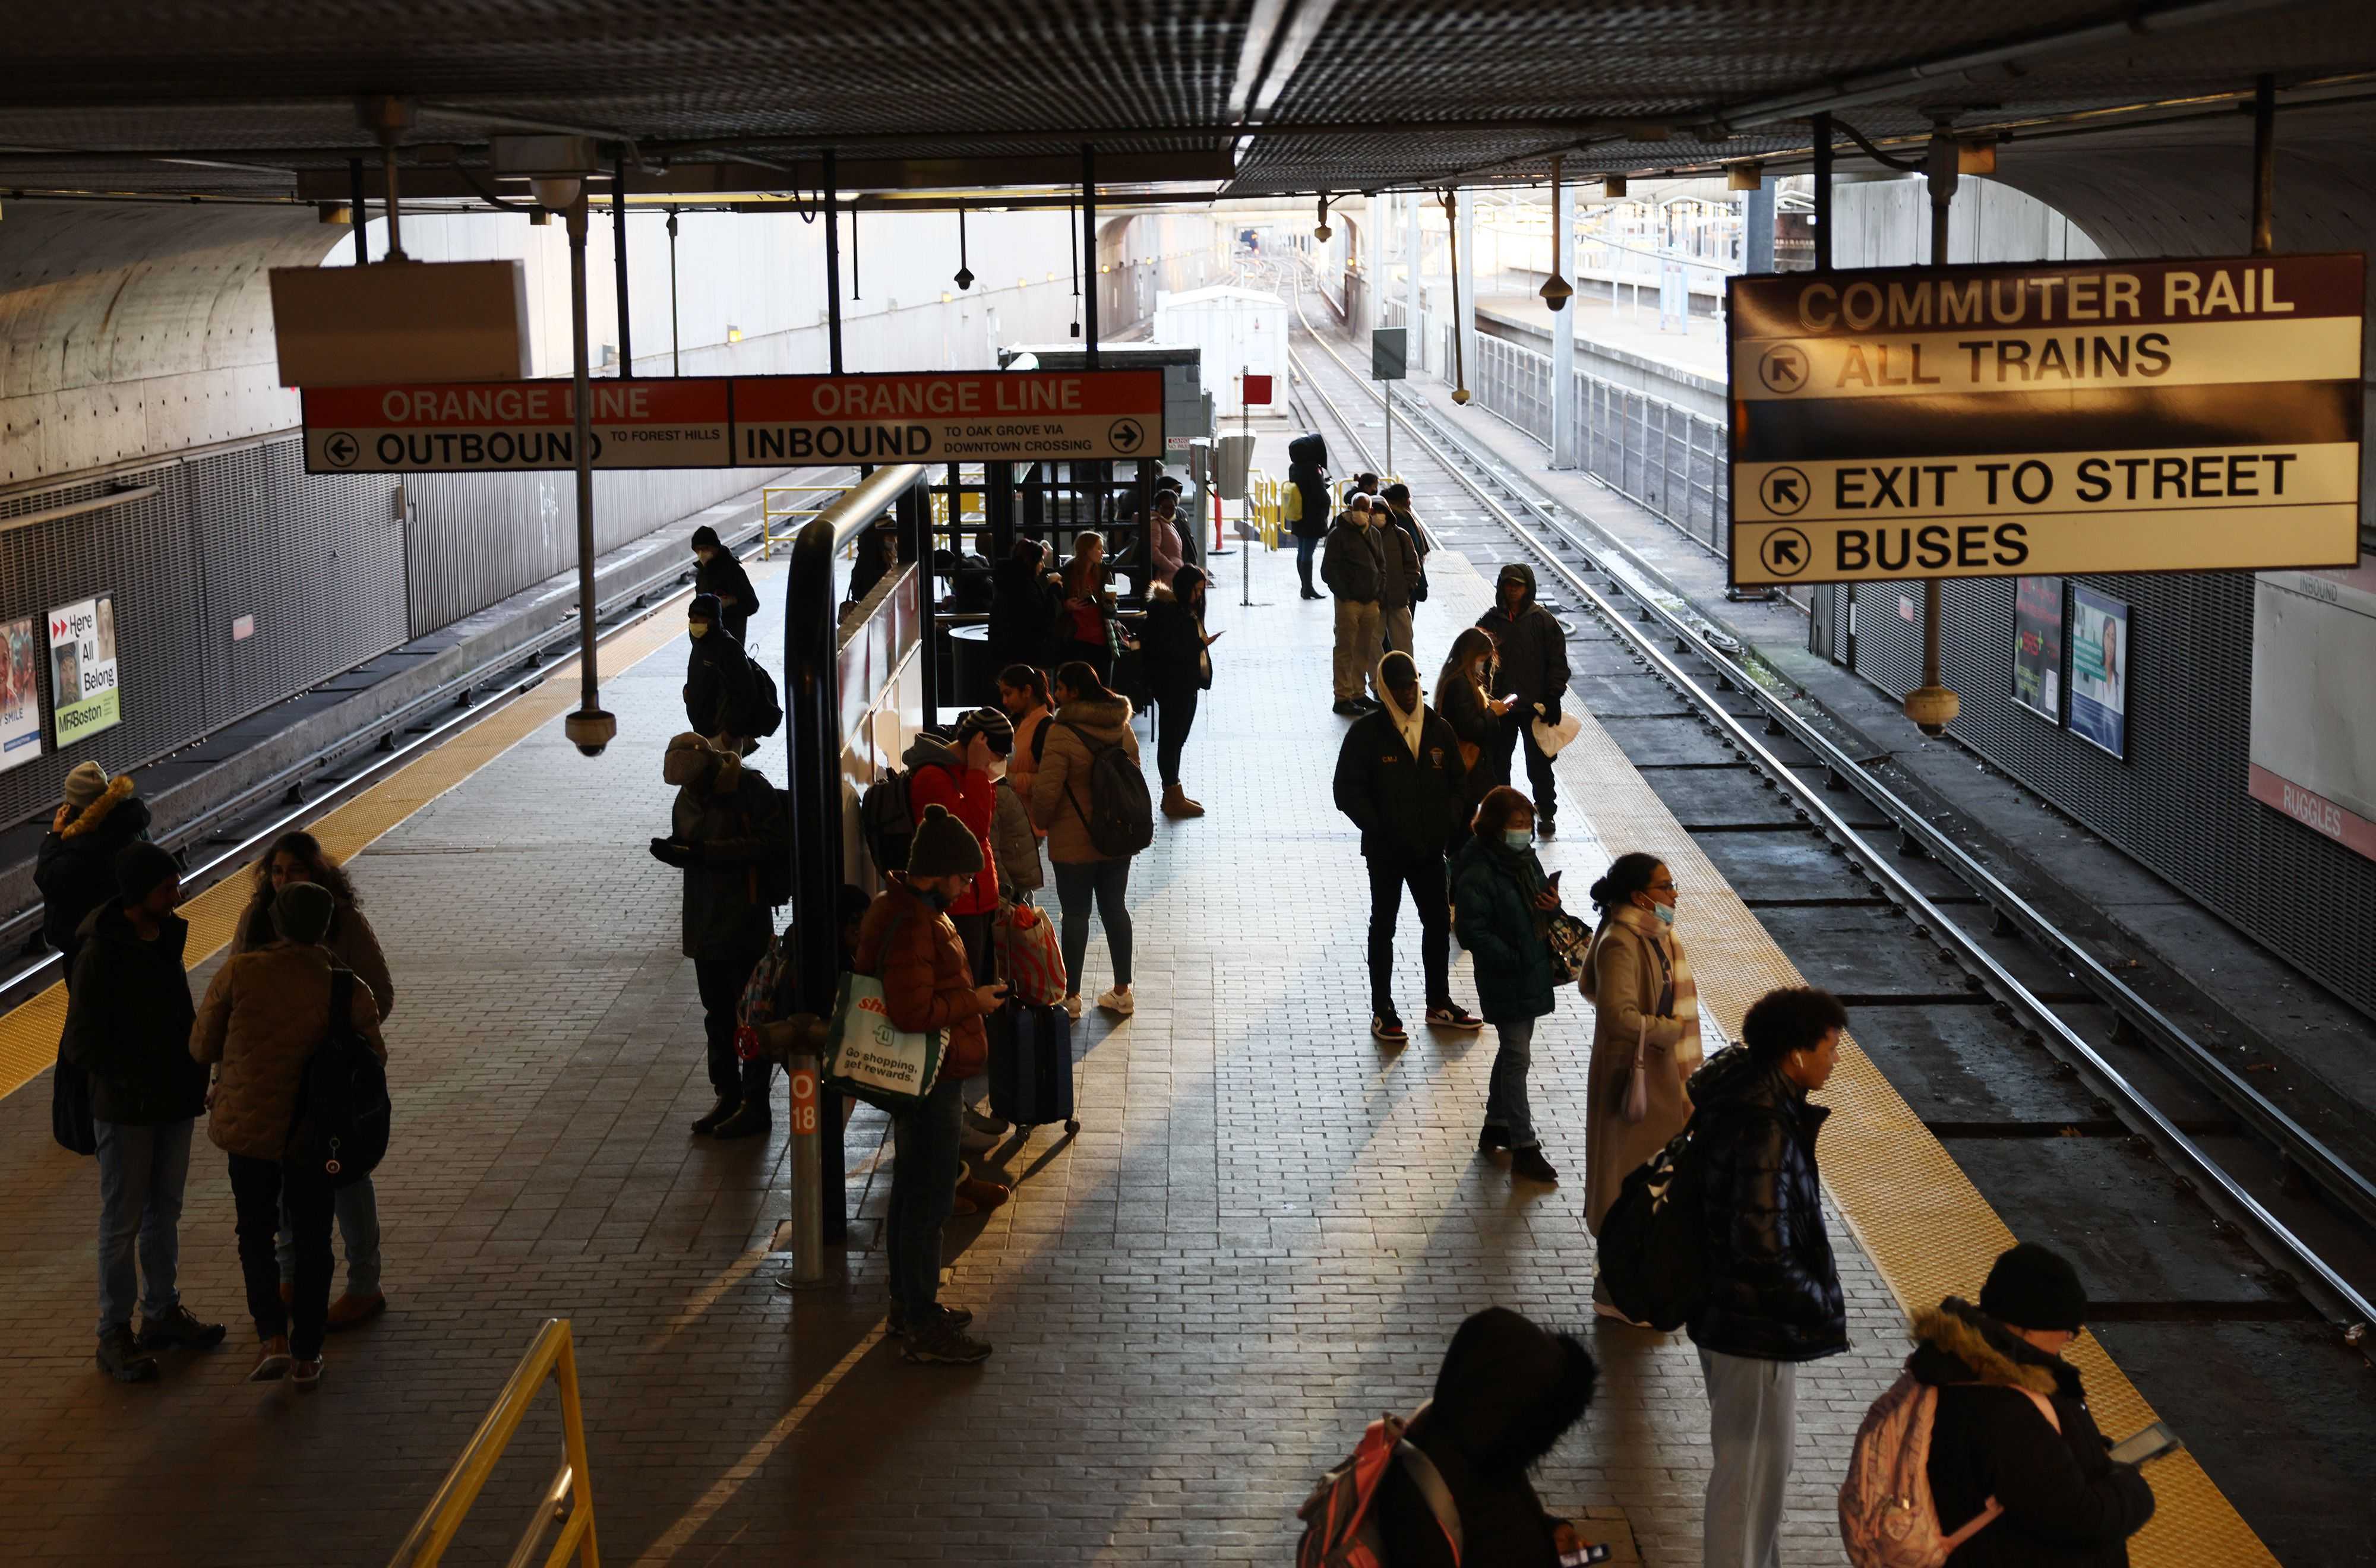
(1662, 888)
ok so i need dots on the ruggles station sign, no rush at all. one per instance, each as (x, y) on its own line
(2038, 420)
(752, 422)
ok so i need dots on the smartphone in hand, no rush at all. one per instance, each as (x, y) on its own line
(2154, 1443)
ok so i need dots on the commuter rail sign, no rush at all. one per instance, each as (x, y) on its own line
(949, 417)
(2029, 420)
(752, 422)
(494, 427)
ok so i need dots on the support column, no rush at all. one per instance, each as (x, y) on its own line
(1565, 447)
(619, 252)
(589, 728)
(1822, 128)
(358, 209)
(1089, 251)
(1931, 705)
(832, 266)
(1757, 227)
(1414, 293)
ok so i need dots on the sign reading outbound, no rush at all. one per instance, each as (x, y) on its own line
(2017, 421)
(485, 426)
(716, 422)
(949, 417)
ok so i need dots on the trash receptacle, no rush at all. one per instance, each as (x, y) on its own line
(973, 674)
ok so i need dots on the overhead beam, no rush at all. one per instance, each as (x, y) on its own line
(1279, 33)
(694, 180)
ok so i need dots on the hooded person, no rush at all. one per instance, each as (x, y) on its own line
(1025, 598)
(1354, 568)
(1307, 473)
(717, 574)
(717, 674)
(1399, 780)
(1999, 1369)
(1508, 1391)
(75, 867)
(1179, 669)
(726, 821)
(1530, 651)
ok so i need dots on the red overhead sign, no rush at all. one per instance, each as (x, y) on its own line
(498, 425)
(949, 417)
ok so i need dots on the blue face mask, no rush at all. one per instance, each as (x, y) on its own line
(933, 897)
(1518, 837)
(1665, 913)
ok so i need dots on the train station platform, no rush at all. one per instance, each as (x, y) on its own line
(1265, 1233)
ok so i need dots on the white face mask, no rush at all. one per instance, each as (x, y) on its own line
(996, 768)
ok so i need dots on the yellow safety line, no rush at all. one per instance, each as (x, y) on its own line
(1927, 1228)
(29, 1033)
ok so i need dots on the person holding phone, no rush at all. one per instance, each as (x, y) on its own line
(2013, 1438)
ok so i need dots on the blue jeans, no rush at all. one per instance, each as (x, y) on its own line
(1303, 551)
(1109, 883)
(925, 1162)
(357, 1207)
(142, 1174)
(1752, 1425)
(1505, 1093)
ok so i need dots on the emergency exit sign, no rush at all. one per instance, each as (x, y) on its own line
(2042, 419)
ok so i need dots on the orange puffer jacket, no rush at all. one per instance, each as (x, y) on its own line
(927, 984)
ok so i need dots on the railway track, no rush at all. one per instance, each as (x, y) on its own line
(2090, 1118)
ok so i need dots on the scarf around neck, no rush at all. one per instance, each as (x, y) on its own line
(1669, 947)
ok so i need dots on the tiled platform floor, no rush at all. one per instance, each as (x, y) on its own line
(1265, 1233)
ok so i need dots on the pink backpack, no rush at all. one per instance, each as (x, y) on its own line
(1340, 1521)
(1887, 1516)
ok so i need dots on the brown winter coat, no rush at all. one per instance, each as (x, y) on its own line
(353, 944)
(1624, 976)
(1059, 787)
(263, 1017)
(927, 979)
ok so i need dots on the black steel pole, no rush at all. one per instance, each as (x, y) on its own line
(676, 340)
(1090, 249)
(915, 513)
(619, 252)
(832, 266)
(355, 182)
(1823, 126)
(813, 778)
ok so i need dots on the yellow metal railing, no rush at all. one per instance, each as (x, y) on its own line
(771, 514)
(569, 1500)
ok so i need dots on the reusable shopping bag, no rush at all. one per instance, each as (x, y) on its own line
(873, 1059)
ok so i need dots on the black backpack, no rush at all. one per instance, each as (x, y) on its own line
(885, 821)
(775, 871)
(342, 1107)
(1120, 813)
(1653, 1237)
(761, 712)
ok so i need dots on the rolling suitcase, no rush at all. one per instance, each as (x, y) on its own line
(1031, 1064)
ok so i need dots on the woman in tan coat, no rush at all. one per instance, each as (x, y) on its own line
(264, 1016)
(299, 856)
(1642, 999)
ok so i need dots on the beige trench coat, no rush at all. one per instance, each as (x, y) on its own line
(1625, 977)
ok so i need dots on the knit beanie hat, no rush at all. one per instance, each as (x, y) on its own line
(705, 537)
(140, 867)
(2032, 1287)
(87, 783)
(944, 846)
(301, 911)
(689, 756)
(988, 722)
(703, 608)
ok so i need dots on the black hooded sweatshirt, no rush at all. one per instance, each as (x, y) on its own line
(1530, 646)
(1508, 1391)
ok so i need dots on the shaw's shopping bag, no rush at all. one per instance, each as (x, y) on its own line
(872, 1058)
(1029, 959)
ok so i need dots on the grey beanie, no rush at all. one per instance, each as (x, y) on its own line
(301, 911)
(944, 846)
(87, 783)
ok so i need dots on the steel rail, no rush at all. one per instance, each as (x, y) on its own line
(2293, 1139)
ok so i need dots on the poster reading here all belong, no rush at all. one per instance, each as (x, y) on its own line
(2099, 670)
(21, 692)
(84, 699)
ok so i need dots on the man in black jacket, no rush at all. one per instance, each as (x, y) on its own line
(75, 867)
(717, 674)
(1773, 1297)
(128, 1020)
(1307, 473)
(1399, 777)
(2064, 1502)
(727, 820)
(717, 572)
(1354, 568)
(1531, 651)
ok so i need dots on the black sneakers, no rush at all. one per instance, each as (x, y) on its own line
(121, 1358)
(1350, 707)
(1389, 1028)
(944, 1344)
(1528, 1165)
(1452, 1016)
(727, 1105)
(951, 1317)
(749, 1121)
(179, 1329)
(1490, 1138)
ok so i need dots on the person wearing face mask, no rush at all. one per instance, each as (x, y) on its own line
(726, 820)
(717, 572)
(1505, 902)
(906, 940)
(1772, 1296)
(1639, 982)
(1399, 778)
(716, 675)
(1531, 668)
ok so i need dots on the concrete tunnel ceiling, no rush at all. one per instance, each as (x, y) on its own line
(1245, 97)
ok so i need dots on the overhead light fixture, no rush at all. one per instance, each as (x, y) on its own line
(540, 217)
(1744, 176)
(1977, 158)
(1322, 231)
(1613, 186)
(1556, 291)
(555, 193)
(734, 335)
(334, 212)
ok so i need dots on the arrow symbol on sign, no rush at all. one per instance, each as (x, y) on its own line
(1785, 551)
(1786, 490)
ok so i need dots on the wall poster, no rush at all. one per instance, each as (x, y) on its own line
(2037, 646)
(2100, 656)
(84, 699)
(21, 692)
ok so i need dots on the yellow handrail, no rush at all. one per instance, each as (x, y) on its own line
(569, 1499)
(770, 513)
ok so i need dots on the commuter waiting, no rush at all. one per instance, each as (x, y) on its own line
(1307, 476)
(1504, 901)
(75, 867)
(1089, 722)
(1398, 778)
(1354, 568)
(1026, 597)
(1531, 652)
(1464, 695)
(1645, 1029)
(1398, 499)
(262, 1018)
(1085, 630)
(298, 857)
(717, 572)
(127, 1030)
(1773, 1296)
(1180, 667)
(718, 689)
(1399, 581)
